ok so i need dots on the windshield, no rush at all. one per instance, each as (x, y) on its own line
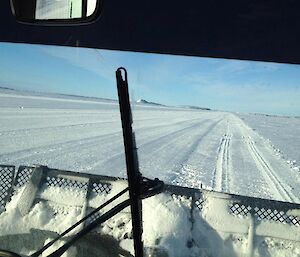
(221, 125)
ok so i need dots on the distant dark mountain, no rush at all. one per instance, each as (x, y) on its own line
(196, 107)
(143, 101)
(7, 88)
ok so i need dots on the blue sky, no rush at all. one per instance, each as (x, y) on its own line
(231, 85)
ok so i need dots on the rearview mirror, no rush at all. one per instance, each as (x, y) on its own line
(55, 11)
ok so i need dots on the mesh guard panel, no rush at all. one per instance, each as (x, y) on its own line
(23, 176)
(6, 181)
(97, 187)
(266, 213)
(66, 183)
(101, 187)
(200, 203)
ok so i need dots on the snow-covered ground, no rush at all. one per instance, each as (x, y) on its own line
(217, 150)
(282, 132)
(186, 147)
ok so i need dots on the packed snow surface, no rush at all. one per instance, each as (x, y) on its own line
(242, 154)
(282, 132)
(187, 147)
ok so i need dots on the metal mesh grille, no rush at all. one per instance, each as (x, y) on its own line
(23, 176)
(240, 209)
(96, 188)
(264, 214)
(66, 183)
(6, 181)
(199, 203)
(101, 187)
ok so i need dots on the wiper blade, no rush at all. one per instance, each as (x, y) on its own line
(139, 187)
(132, 166)
(37, 253)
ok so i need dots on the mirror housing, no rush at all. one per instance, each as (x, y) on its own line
(56, 12)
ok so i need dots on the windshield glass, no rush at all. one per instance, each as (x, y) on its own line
(223, 125)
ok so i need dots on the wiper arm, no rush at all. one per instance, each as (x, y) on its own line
(132, 166)
(112, 212)
(37, 253)
(149, 188)
(139, 187)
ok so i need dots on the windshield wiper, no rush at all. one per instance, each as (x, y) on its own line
(148, 188)
(139, 187)
(133, 174)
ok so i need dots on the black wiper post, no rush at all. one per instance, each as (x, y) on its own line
(134, 176)
(139, 187)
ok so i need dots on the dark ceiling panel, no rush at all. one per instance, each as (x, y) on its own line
(266, 30)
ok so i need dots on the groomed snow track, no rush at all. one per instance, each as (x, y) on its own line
(269, 173)
(223, 165)
(185, 147)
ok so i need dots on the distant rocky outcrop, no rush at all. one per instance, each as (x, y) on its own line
(143, 101)
(196, 107)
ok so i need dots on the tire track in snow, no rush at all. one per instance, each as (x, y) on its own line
(81, 141)
(196, 143)
(68, 126)
(85, 125)
(221, 173)
(180, 175)
(90, 154)
(46, 149)
(268, 172)
(153, 146)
